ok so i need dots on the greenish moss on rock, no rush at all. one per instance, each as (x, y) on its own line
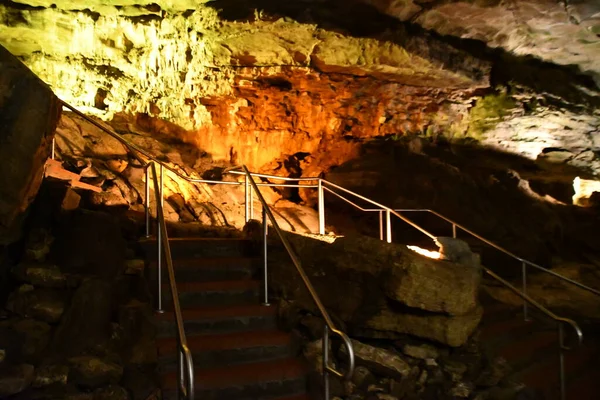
(488, 112)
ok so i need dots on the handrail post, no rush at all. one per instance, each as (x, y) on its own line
(454, 231)
(185, 371)
(147, 199)
(388, 226)
(180, 375)
(251, 201)
(561, 360)
(380, 225)
(326, 363)
(53, 147)
(159, 237)
(329, 325)
(246, 192)
(524, 279)
(265, 266)
(321, 199)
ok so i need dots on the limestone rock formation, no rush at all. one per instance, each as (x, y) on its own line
(297, 88)
(554, 32)
(29, 112)
(105, 163)
(383, 290)
(379, 360)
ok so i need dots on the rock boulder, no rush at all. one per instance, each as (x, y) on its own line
(15, 379)
(29, 112)
(382, 290)
(80, 330)
(92, 372)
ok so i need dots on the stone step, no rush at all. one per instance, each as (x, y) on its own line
(220, 319)
(210, 269)
(543, 375)
(531, 349)
(222, 350)
(223, 293)
(285, 378)
(199, 247)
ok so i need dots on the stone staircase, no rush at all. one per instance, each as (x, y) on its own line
(531, 349)
(238, 351)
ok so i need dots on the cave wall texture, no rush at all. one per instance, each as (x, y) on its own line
(262, 82)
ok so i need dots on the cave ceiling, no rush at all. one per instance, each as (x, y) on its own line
(307, 76)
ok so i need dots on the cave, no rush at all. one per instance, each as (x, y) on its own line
(414, 183)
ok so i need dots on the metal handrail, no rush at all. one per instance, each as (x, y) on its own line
(266, 176)
(133, 146)
(329, 325)
(148, 156)
(394, 212)
(561, 321)
(387, 209)
(185, 369)
(506, 283)
(503, 250)
(544, 310)
(455, 225)
(185, 356)
(185, 364)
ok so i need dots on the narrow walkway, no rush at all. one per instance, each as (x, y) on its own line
(238, 351)
(531, 349)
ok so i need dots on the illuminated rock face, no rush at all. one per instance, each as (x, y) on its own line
(382, 290)
(253, 92)
(309, 83)
(561, 33)
(165, 63)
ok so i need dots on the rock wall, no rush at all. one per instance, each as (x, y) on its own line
(488, 192)
(265, 83)
(79, 323)
(29, 112)
(382, 290)
(553, 32)
(299, 89)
